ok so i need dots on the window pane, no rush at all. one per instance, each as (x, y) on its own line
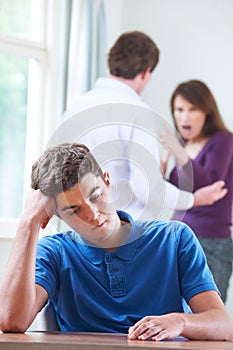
(22, 18)
(13, 105)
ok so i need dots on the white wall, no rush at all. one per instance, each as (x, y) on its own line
(195, 41)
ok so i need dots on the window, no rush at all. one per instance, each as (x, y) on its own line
(13, 102)
(30, 87)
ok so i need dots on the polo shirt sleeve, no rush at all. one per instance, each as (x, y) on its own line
(47, 264)
(194, 274)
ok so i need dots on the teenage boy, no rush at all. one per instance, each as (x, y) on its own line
(108, 273)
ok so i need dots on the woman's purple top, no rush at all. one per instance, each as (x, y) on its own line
(214, 162)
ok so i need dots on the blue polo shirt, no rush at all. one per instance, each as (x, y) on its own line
(94, 290)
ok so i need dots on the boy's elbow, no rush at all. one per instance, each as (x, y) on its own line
(12, 325)
(12, 329)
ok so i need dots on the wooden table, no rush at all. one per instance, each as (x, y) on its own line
(98, 341)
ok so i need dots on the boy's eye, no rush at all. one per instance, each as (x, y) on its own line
(74, 212)
(95, 196)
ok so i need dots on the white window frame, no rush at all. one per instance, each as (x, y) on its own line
(43, 110)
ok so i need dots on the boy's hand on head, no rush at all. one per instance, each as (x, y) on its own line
(39, 207)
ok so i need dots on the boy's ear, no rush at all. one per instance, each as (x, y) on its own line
(107, 178)
(45, 223)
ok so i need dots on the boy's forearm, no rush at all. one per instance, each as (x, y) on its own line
(17, 290)
(18, 297)
(209, 325)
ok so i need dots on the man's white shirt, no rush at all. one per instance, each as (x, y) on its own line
(120, 130)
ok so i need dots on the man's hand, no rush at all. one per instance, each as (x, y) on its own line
(157, 327)
(210, 194)
(39, 207)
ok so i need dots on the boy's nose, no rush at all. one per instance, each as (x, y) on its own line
(92, 213)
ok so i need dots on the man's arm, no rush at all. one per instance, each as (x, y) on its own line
(182, 200)
(20, 297)
(209, 321)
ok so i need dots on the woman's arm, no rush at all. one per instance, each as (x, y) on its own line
(213, 165)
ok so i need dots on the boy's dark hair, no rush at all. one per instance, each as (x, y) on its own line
(132, 54)
(61, 167)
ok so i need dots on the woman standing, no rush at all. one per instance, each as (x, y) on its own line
(206, 156)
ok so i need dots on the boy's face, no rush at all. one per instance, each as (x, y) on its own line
(88, 208)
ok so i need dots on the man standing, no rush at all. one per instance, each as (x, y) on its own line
(127, 127)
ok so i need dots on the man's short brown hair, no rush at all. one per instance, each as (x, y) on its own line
(132, 54)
